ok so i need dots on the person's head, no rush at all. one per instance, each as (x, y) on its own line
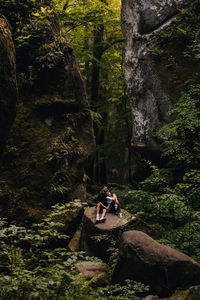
(105, 189)
(109, 193)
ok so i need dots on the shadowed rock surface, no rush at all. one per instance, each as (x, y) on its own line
(193, 293)
(150, 101)
(105, 232)
(75, 241)
(8, 83)
(52, 138)
(165, 269)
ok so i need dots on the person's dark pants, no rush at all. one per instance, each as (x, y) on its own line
(112, 208)
(101, 209)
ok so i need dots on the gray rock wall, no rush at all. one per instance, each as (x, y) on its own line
(141, 20)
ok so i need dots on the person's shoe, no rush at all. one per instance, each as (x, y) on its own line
(133, 218)
(120, 215)
(102, 219)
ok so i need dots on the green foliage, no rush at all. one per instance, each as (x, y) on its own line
(27, 18)
(66, 148)
(190, 187)
(43, 162)
(181, 136)
(158, 180)
(94, 30)
(36, 46)
(54, 225)
(170, 215)
(32, 269)
(179, 68)
(125, 292)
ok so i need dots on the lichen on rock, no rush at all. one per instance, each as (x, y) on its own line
(148, 92)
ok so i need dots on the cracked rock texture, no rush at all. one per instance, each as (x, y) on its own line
(141, 20)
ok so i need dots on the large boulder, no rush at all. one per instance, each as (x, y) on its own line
(52, 139)
(96, 239)
(162, 268)
(148, 91)
(8, 83)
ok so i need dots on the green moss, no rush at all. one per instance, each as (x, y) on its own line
(41, 162)
(6, 40)
(180, 295)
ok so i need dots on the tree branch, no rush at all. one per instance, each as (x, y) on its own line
(108, 45)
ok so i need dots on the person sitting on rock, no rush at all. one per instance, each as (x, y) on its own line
(102, 206)
(113, 204)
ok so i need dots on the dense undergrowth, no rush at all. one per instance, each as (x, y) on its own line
(171, 215)
(33, 267)
(42, 153)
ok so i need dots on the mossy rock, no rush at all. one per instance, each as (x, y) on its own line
(52, 137)
(193, 293)
(8, 83)
(96, 239)
(94, 271)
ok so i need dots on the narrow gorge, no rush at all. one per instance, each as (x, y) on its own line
(100, 99)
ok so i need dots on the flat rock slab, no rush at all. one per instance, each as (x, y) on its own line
(112, 221)
(96, 239)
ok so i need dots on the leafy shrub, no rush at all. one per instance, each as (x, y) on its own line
(181, 136)
(125, 292)
(31, 269)
(190, 188)
(158, 180)
(172, 213)
(30, 21)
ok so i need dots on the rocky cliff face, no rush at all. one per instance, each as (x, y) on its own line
(52, 137)
(8, 84)
(150, 99)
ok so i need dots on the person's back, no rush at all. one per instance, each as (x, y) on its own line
(102, 198)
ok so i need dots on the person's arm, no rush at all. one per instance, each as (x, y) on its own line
(115, 199)
(107, 208)
(104, 204)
